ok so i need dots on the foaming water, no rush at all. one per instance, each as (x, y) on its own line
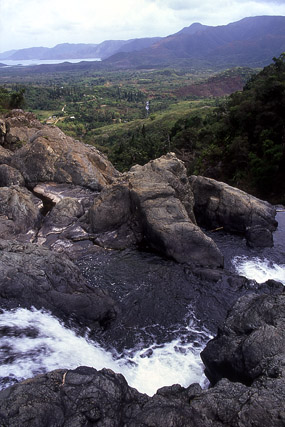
(259, 269)
(269, 263)
(34, 342)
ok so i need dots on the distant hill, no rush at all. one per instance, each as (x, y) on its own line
(250, 42)
(222, 84)
(80, 50)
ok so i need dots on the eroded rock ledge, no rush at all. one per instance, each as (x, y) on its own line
(83, 202)
(154, 205)
(85, 397)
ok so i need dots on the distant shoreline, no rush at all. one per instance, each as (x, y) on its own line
(30, 62)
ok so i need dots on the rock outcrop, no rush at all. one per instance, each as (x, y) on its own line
(32, 276)
(84, 396)
(45, 154)
(220, 205)
(252, 342)
(155, 203)
(19, 211)
(152, 205)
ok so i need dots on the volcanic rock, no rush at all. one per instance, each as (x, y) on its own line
(252, 342)
(32, 276)
(19, 211)
(220, 205)
(157, 196)
(43, 153)
(10, 176)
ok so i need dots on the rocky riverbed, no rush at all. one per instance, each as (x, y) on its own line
(125, 258)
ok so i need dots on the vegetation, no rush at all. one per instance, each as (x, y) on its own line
(11, 99)
(243, 141)
(134, 116)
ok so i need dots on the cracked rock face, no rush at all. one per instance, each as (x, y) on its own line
(44, 153)
(157, 197)
(156, 205)
(220, 205)
(19, 211)
(32, 276)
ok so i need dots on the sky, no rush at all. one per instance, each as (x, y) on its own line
(29, 23)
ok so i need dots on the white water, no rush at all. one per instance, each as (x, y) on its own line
(259, 269)
(35, 342)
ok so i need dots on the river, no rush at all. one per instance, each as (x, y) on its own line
(149, 355)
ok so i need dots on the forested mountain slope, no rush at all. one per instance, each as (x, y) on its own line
(250, 42)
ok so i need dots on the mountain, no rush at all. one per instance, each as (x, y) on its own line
(249, 42)
(80, 50)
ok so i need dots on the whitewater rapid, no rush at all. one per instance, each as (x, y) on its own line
(34, 342)
(259, 269)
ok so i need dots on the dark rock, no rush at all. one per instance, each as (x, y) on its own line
(84, 397)
(81, 397)
(251, 341)
(220, 205)
(5, 155)
(32, 276)
(154, 202)
(259, 237)
(10, 176)
(19, 211)
(111, 209)
(162, 195)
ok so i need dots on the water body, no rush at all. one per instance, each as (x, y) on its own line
(255, 264)
(33, 341)
(29, 62)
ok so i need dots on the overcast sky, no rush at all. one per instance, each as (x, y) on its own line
(27, 23)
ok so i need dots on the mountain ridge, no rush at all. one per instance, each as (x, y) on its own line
(79, 50)
(249, 42)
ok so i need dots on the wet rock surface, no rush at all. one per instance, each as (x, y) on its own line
(252, 342)
(155, 202)
(219, 205)
(63, 200)
(158, 296)
(32, 276)
(84, 396)
(19, 211)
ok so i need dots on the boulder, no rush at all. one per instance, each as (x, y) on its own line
(81, 397)
(63, 226)
(163, 197)
(20, 126)
(111, 209)
(43, 153)
(259, 237)
(5, 155)
(2, 131)
(10, 176)
(19, 211)
(32, 276)
(51, 156)
(85, 396)
(220, 205)
(251, 344)
(155, 204)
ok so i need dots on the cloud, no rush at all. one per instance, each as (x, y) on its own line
(46, 23)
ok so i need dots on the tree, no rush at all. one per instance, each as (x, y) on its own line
(17, 99)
